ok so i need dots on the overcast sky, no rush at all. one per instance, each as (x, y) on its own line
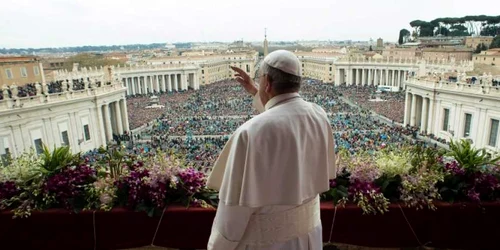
(61, 23)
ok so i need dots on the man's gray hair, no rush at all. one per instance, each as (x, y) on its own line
(282, 82)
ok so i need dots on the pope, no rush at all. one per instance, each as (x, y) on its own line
(274, 166)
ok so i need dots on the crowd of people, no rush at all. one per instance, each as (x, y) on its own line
(197, 124)
(389, 104)
(30, 89)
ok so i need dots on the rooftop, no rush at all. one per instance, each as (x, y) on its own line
(11, 59)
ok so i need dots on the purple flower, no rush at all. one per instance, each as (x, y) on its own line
(8, 190)
(333, 183)
(69, 184)
(454, 168)
(192, 180)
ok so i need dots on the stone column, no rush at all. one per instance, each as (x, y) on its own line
(375, 73)
(393, 83)
(396, 83)
(358, 76)
(107, 118)
(102, 131)
(413, 110)
(424, 118)
(387, 77)
(337, 77)
(430, 117)
(151, 85)
(168, 82)
(19, 145)
(370, 76)
(139, 85)
(183, 81)
(132, 87)
(74, 132)
(142, 82)
(157, 83)
(159, 78)
(349, 76)
(125, 83)
(407, 113)
(174, 82)
(363, 77)
(49, 131)
(196, 81)
(124, 114)
(119, 121)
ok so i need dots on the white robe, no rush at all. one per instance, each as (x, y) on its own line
(277, 161)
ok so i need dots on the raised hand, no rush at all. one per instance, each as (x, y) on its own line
(245, 80)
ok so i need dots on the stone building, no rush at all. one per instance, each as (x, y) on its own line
(214, 67)
(474, 41)
(20, 70)
(318, 66)
(488, 57)
(83, 119)
(404, 53)
(457, 54)
(455, 110)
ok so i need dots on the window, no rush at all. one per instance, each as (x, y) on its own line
(86, 131)
(493, 133)
(446, 119)
(36, 70)
(38, 146)
(468, 120)
(65, 138)
(4, 151)
(248, 68)
(8, 72)
(24, 72)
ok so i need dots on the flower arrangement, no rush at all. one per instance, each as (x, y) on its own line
(413, 176)
(59, 179)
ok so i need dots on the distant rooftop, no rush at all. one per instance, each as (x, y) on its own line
(10, 59)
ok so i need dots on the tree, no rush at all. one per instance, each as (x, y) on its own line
(480, 47)
(89, 60)
(442, 31)
(404, 34)
(495, 43)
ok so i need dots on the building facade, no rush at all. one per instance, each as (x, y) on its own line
(474, 41)
(452, 110)
(82, 119)
(488, 57)
(458, 54)
(20, 70)
(391, 72)
(214, 67)
(404, 53)
(318, 65)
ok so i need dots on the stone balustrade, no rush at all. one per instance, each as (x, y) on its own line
(486, 88)
(12, 100)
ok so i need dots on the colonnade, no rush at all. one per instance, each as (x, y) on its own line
(145, 84)
(371, 76)
(419, 111)
(113, 119)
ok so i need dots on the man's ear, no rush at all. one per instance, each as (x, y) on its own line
(269, 86)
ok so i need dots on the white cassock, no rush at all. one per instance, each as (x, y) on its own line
(269, 176)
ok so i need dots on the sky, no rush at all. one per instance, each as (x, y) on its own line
(66, 23)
